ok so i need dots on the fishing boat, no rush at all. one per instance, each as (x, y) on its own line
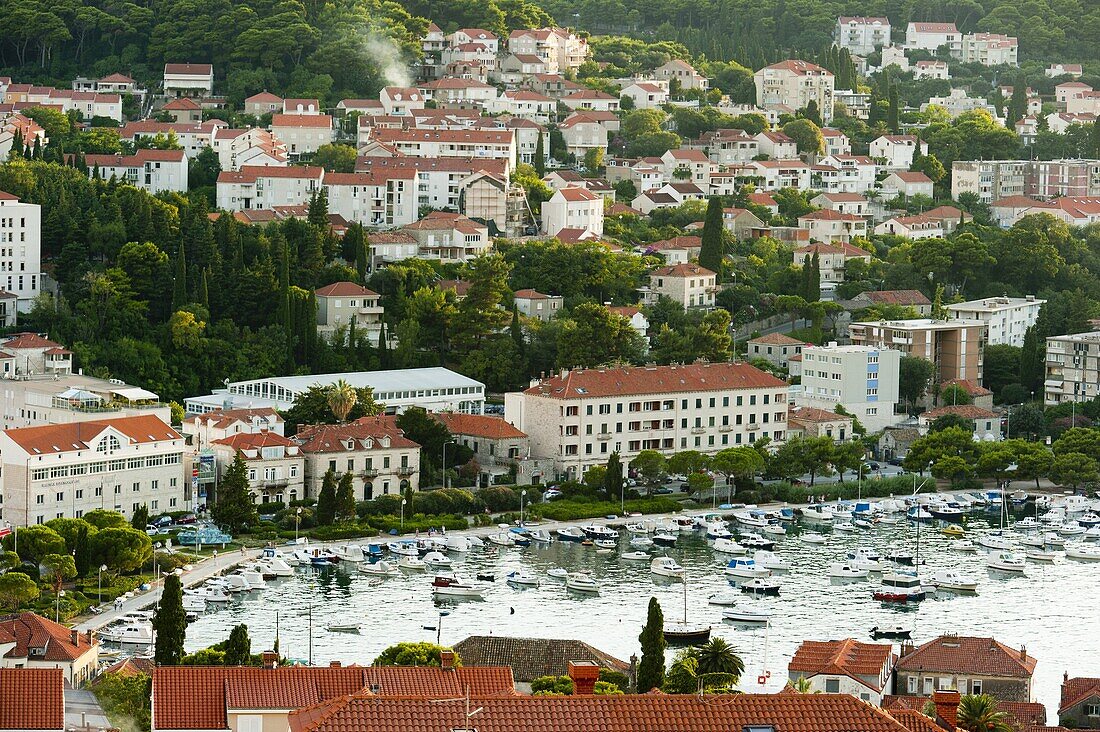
(1006, 562)
(605, 543)
(683, 632)
(411, 564)
(452, 586)
(666, 567)
(760, 586)
(344, 628)
(946, 512)
(746, 615)
(595, 531)
(953, 580)
(581, 582)
(845, 570)
(570, 533)
(379, 569)
(896, 632)
(900, 587)
(522, 578)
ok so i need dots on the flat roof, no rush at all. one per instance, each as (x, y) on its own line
(434, 377)
(993, 304)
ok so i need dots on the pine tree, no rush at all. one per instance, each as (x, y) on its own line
(170, 623)
(613, 478)
(1094, 138)
(651, 669)
(540, 157)
(710, 253)
(140, 518)
(238, 647)
(234, 508)
(179, 281)
(326, 500)
(345, 499)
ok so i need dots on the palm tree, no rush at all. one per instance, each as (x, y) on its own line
(979, 713)
(802, 686)
(718, 657)
(341, 399)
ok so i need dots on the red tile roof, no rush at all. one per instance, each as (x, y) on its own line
(971, 388)
(777, 339)
(912, 177)
(33, 631)
(189, 69)
(225, 417)
(1077, 690)
(802, 68)
(264, 96)
(250, 173)
(255, 440)
(915, 721)
(813, 414)
(629, 713)
(686, 269)
(1022, 715)
(591, 383)
(969, 411)
(32, 698)
(333, 437)
(345, 289)
(131, 667)
(969, 655)
(28, 340)
(138, 159)
(577, 194)
(59, 438)
(842, 658)
(677, 242)
(468, 137)
(183, 104)
(301, 120)
(897, 297)
(479, 425)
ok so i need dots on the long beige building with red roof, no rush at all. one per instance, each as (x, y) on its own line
(66, 470)
(374, 450)
(579, 417)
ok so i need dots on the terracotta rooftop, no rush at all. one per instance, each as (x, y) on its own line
(968, 411)
(225, 417)
(530, 658)
(843, 658)
(1077, 690)
(255, 440)
(592, 383)
(813, 414)
(915, 720)
(301, 120)
(32, 632)
(28, 340)
(479, 425)
(1022, 715)
(345, 289)
(969, 655)
(52, 439)
(189, 69)
(896, 297)
(970, 387)
(32, 699)
(777, 339)
(687, 269)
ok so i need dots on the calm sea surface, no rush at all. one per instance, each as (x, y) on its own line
(1053, 610)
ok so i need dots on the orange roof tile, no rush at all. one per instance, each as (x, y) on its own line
(842, 657)
(33, 631)
(915, 721)
(225, 417)
(334, 437)
(1077, 690)
(345, 289)
(592, 383)
(777, 339)
(971, 388)
(969, 655)
(28, 340)
(479, 425)
(58, 438)
(301, 120)
(812, 414)
(255, 440)
(686, 269)
(969, 411)
(32, 698)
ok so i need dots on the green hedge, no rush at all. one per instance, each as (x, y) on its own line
(573, 510)
(901, 485)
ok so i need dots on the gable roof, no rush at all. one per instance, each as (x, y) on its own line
(970, 387)
(34, 631)
(479, 425)
(969, 655)
(777, 339)
(225, 417)
(896, 297)
(530, 658)
(255, 440)
(591, 383)
(843, 658)
(813, 414)
(1074, 691)
(301, 120)
(32, 698)
(189, 69)
(52, 439)
(27, 340)
(332, 437)
(345, 289)
(967, 411)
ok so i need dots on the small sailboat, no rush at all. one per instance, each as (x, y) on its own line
(684, 632)
(746, 615)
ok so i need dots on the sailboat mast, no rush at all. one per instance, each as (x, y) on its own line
(685, 598)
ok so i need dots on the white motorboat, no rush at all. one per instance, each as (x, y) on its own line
(605, 543)
(542, 536)
(456, 543)
(900, 587)
(1069, 529)
(1006, 562)
(770, 560)
(1052, 539)
(871, 565)
(641, 542)
(570, 533)
(719, 532)
(1035, 541)
(595, 531)
(747, 519)
(818, 512)
(1028, 523)
(278, 567)
(746, 615)
(581, 582)
(522, 577)
(230, 583)
(639, 529)
(436, 560)
(864, 554)
(1040, 555)
(845, 570)
(194, 604)
(254, 579)
(666, 567)
(728, 546)
(752, 540)
(664, 539)
(208, 593)
(635, 556)
(760, 586)
(1093, 534)
(405, 548)
(812, 537)
(133, 634)
(994, 541)
(963, 546)
(1083, 553)
(845, 526)
(502, 538)
(745, 568)
(724, 599)
(379, 569)
(559, 573)
(952, 579)
(1089, 519)
(411, 564)
(350, 553)
(684, 523)
(774, 529)
(344, 628)
(452, 586)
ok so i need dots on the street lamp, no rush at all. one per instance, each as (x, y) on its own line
(444, 465)
(57, 605)
(522, 493)
(297, 520)
(403, 502)
(102, 569)
(156, 563)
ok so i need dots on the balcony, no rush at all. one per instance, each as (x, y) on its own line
(726, 428)
(369, 473)
(273, 485)
(752, 426)
(603, 436)
(698, 430)
(405, 471)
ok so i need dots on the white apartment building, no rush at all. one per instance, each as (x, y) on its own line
(834, 227)
(275, 464)
(573, 208)
(378, 199)
(861, 35)
(20, 249)
(188, 80)
(989, 179)
(683, 74)
(559, 49)
(776, 145)
(537, 305)
(237, 148)
(989, 49)
(55, 396)
(1006, 317)
(374, 450)
(647, 94)
(150, 170)
(66, 470)
(930, 36)
(846, 173)
(993, 180)
(264, 187)
(931, 70)
(449, 237)
(579, 417)
(773, 175)
(795, 84)
(864, 379)
(1072, 368)
(302, 133)
(441, 183)
(486, 144)
(202, 430)
(898, 151)
(687, 283)
(191, 137)
(581, 134)
(725, 147)
(958, 101)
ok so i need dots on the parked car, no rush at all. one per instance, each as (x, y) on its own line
(663, 490)
(152, 530)
(552, 494)
(188, 519)
(162, 521)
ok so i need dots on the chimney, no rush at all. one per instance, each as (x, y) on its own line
(1023, 653)
(334, 664)
(269, 659)
(584, 674)
(447, 660)
(947, 707)
(74, 636)
(1065, 677)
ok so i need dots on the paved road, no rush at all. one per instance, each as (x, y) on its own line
(82, 710)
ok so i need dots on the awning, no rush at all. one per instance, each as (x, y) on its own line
(134, 394)
(82, 395)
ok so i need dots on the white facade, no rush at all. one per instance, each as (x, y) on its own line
(188, 80)
(930, 36)
(1006, 317)
(573, 208)
(260, 187)
(64, 471)
(302, 133)
(647, 94)
(863, 379)
(989, 49)
(150, 170)
(898, 150)
(579, 417)
(989, 179)
(381, 199)
(488, 144)
(1072, 368)
(931, 70)
(688, 284)
(20, 249)
(795, 84)
(860, 35)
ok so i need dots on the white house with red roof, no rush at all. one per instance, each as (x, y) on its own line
(515, 68)
(907, 183)
(263, 103)
(449, 237)
(66, 470)
(237, 148)
(579, 417)
(897, 151)
(30, 642)
(150, 170)
(989, 49)
(374, 450)
(275, 465)
(684, 164)
(833, 227)
(559, 49)
(188, 80)
(741, 222)
(264, 187)
(379, 199)
(475, 35)
(193, 138)
(795, 83)
(973, 665)
(918, 226)
(775, 348)
(683, 73)
(302, 133)
(591, 99)
(1055, 70)
(776, 145)
(776, 174)
(853, 173)
(836, 142)
(686, 283)
(498, 447)
(728, 146)
(201, 430)
(647, 94)
(845, 203)
(573, 208)
(863, 670)
(523, 103)
(633, 313)
(930, 36)
(445, 182)
(582, 132)
(401, 100)
(343, 305)
(491, 144)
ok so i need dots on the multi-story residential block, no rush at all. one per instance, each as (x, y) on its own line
(688, 284)
(525, 104)
(834, 227)
(687, 165)
(302, 133)
(582, 132)
(579, 417)
(989, 49)
(683, 73)
(275, 465)
(956, 347)
(251, 146)
(1067, 90)
(726, 147)
(115, 83)
(150, 170)
(1007, 318)
(932, 36)
(1072, 368)
(400, 100)
(66, 470)
(515, 68)
(993, 180)
(863, 670)
(558, 49)
(795, 84)
(776, 145)
(188, 80)
(845, 203)
(20, 253)
(264, 187)
(449, 237)
(374, 450)
(988, 179)
(776, 174)
(987, 425)
(958, 102)
(976, 665)
(861, 35)
(775, 348)
(378, 199)
(584, 99)
(346, 305)
(845, 174)
(864, 379)
(836, 142)
(919, 226)
(456, 91)
(193, 138)
(539, 306)
(857, 102)
(486, 144)
(931, 70)
(898, 151)
(573, 208)
(475, 35)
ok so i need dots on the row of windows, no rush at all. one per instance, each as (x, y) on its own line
(655, 424)
(665, 404)
(154, 506)
(78, 493)
(668, 443)
(106, 466)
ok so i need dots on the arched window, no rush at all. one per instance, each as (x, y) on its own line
(109, 443)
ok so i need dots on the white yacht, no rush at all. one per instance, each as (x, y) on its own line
(728, 546)
(1006, 562)
(502, 538)
(452, 586)
(133, 634)
(952, 579)
(745, 568)
(812, 537)
(1083, 553)
(994, 540)
(379, 569)
(770, 560)
(460, 544)
(666, 567)
(411, 564)
(846, 570)
(581, 582)
(641, 542)
(522, 577)
(436, 560)
(350, 553)
(963, 546)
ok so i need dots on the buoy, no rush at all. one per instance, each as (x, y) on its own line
(511, 611)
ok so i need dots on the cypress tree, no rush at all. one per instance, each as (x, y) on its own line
(540, 157)
(345, 499)
(17, 146)
(140, 518)
(613, 478)
(318, 209)
(285, 317)
(326, 500)
(1094, 138)
(238, 648)
(515, 329)
(710, 253)
(893, 112)
(204, 291)
(1017, 104)
(170, 623)
(813, 284)
(234, 508)
(651, 669)
(804, 285)
(179, 281)
(383, 348)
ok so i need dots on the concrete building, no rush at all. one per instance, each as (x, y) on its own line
(861, 35)
(573, 208)
(898, 151)
(931, 36)
(534, 304)
(376, 199)
(814, 422)
(20, 252)
(990, 180)
(491, 144)
(831, 258)
(59, 397)
(988, 425)
(579, 417)
(863, 670)
(346, 305)
(30, 642)
(687, 284)
(275, 464)
(971, 665)
(1007, 318)
(150, 170)
(1072, 368)
(795, 84)
(956, 347)
(775, 348)
(373, 449)
(264, 187)
(836, 228)
(502, 451)
(908, 184)
(864, 379)
(435, 389)
(989, 49)
(302, 133)
(188, 80)
(931, 70)
(201, 430)
(66, 470)
(683, 74)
